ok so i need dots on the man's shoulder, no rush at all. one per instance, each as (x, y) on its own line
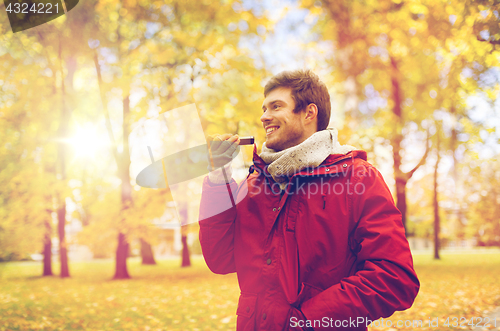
(358, 162)
(363, 168)
(357, 158)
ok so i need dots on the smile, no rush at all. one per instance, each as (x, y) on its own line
(271, 129)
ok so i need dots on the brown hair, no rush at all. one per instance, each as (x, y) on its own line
(306, 89)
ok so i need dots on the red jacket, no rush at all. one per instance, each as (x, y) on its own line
(331, 250)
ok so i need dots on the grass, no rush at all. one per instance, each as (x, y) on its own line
(167, 297)
(161, 297)
(458, 285)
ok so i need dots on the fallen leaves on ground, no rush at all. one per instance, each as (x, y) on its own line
(167, 297)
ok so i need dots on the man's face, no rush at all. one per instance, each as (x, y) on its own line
(284, 128)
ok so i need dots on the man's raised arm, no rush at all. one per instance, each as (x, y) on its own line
(217, 209)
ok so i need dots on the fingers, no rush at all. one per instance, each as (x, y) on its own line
(222, 149)
(234, 139)
(231, 149)
(225, 154)
(223, 137)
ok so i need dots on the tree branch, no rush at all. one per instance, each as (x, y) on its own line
(106, 112)
(157, 66)
(493, 42)
(422, 160)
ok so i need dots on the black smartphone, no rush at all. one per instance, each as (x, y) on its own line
(246, 141)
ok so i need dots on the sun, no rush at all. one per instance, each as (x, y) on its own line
(87, 141)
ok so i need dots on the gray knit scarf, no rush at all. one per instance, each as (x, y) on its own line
(310, 153)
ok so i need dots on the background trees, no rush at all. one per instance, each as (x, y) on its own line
(394, 67)
(104, 65)
(403, 62)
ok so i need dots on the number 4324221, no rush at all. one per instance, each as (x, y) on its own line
(35, 8)
(473, 322)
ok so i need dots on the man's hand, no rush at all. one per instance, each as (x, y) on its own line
(222, 149)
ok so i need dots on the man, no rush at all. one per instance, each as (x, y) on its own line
(314, 236)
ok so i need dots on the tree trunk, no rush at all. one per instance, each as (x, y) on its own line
(186, 261)
(61, 209)
(63, 252)
(401, 177)
(401, 200)
(123, 164)
(147, 253)
(460, 217)
(396, 139)
(121, 271)
(183, 213)
(122, 248)
(436, 204)
(47, 250)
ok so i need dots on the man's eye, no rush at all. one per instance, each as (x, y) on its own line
(276, 106)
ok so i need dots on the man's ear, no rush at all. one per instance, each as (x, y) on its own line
(311, 112)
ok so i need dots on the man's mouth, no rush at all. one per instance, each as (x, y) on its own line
(271, 129)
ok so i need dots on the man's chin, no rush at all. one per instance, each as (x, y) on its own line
(274, 146)
(269, 145)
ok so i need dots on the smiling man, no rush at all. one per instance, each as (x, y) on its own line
(315, 238)
(286, 126)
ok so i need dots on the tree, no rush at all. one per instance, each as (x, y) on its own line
(136, 35)
(435, 198)
(183, 213)
(27, 153)
(482, 184)
(378, 48)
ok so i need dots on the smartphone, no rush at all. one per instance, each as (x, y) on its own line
(246, 141)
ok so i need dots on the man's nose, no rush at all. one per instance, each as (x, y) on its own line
(265, 117)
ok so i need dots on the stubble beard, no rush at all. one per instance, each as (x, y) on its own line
(294, 138)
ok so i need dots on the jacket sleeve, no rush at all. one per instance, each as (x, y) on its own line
(217, 216)
(385, 280)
